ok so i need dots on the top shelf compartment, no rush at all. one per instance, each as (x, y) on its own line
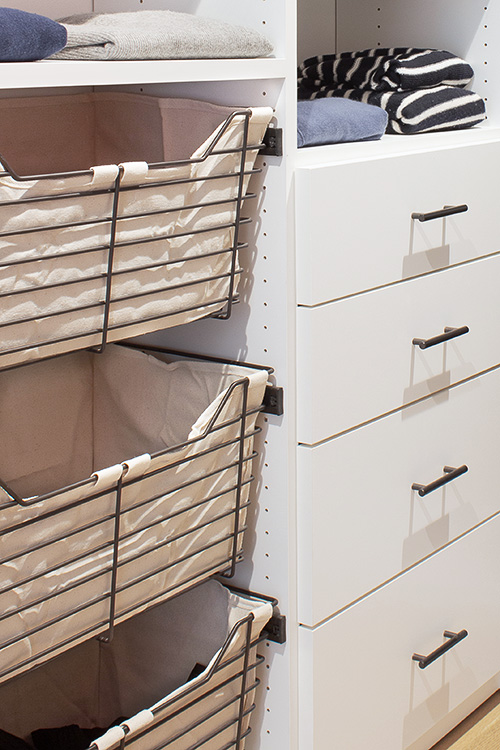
(262, 16)
(466, 28)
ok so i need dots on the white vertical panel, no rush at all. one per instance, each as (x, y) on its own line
(443, 24)
(316, 28)
(484, 56)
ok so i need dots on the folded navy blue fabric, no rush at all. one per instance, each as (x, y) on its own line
(28, 36)
(332, 120)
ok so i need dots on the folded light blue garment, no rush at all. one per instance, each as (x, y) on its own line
(332, 120)
(28, 36)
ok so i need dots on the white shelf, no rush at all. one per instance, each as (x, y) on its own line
(59, 73)
(394, 145)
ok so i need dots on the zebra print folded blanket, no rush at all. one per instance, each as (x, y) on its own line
(397, 68)
(421, 90)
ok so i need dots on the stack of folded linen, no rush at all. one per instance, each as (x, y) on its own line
(136, 35)
(421, 90)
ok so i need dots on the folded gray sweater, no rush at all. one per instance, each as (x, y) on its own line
(157, 35)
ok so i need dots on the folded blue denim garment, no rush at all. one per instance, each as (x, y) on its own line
(333, 120)
(27, 36)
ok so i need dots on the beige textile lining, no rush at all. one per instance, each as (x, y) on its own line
(173, 257)
(177, 513)
(149, 660)
(78, 131)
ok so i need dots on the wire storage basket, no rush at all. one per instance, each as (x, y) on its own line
(179, 676)
(146, 239)
(125, 480)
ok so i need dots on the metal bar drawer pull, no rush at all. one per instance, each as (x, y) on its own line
(441, 214)
(450, 473)
(453, 639)
(449, 333)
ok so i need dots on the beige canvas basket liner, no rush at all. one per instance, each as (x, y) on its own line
(143, 674)
(108, 132)
(98, 419)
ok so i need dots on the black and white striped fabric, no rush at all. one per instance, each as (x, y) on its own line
(421, 90)
(397, 69)
(424, 110)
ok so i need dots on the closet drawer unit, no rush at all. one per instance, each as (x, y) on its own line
(354, 220)
(356, 359)
(360, 521)
(361, 660)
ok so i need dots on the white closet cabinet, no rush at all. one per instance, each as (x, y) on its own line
(393, 559)
(342, 279)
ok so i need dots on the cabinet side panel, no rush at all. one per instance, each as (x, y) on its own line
(426, 23)
(316, 22)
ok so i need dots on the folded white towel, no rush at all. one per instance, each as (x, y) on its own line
(157, 35)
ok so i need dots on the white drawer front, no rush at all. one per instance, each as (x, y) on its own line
(360, 523)
(359, 687)
(354, 221)
(356, 359)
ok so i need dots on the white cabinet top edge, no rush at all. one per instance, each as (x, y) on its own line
(56, 73)
(393, 146)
